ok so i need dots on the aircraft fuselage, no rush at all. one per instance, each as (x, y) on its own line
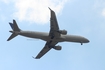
(45, 36)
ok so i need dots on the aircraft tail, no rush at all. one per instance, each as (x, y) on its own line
(15, 29)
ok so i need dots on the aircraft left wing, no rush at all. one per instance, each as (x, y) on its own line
(43, 51)
(46, 49)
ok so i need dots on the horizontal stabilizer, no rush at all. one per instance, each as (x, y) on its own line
(12, 36)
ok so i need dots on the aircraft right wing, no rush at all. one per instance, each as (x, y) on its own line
(54, 28)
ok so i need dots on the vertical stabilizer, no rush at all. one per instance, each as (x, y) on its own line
(15, 26)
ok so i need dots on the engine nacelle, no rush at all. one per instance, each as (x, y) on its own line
(64, 32)
(57, 47)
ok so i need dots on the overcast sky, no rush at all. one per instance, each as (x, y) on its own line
(78, 17)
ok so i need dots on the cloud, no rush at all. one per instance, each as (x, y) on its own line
(103, 12)
(100, 6)
(37, 10)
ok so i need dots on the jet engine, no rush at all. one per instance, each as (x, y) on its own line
(64, 32)
(57, 47)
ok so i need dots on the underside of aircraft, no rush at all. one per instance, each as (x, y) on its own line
(54, 36)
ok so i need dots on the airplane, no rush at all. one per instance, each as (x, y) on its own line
(54, 36)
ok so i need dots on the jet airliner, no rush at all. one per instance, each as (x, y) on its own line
(54, 36)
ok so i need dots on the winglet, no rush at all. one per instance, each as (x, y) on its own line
(33, 57)
(49, 8)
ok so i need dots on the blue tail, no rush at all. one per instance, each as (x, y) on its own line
(11, 24)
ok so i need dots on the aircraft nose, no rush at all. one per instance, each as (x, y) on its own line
(86, 40)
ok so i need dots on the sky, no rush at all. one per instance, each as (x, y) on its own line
(79, 17)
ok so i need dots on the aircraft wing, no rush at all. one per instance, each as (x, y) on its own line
(43, 51)
(54, 28)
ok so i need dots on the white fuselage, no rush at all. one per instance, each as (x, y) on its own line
(45, 36)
